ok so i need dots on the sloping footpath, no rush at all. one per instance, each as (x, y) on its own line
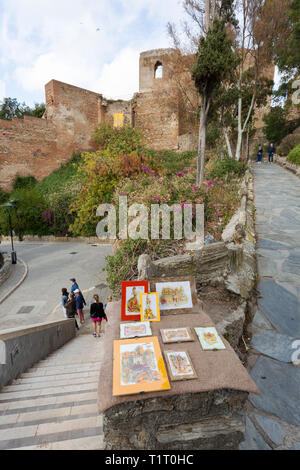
(273, 417)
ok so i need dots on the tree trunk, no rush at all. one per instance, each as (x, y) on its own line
(227, 142)
(201, 141)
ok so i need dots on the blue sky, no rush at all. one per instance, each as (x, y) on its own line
(42, 40)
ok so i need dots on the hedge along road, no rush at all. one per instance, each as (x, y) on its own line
(50, 267)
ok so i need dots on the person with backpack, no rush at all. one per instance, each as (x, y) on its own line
(260, 154)
(79, 304)
(70, 307)
(97, 314)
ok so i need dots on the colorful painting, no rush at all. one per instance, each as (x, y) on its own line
(209, 338)
(138, 367)
(131, 307)
(174, 295)
(180, 365)
(132, 330)
(176, 335)
(149, 307)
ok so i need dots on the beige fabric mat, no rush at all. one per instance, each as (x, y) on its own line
(215, 369)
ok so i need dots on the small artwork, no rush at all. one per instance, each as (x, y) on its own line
(131, 307)
(138, 367)
(180, 365)
(209, 338)
(149, 307)
(133, 330)
(176, 296)
(176, 335)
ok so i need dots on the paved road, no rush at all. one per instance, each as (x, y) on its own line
(50, 266)
(273, 420)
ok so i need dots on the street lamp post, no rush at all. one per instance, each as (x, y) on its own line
(8, 206)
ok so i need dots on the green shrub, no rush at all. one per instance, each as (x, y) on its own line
(118, 139)
(3, 196)
(226, 167)
(23, 182)
(289, 142)
(294, 155)
(26, 215)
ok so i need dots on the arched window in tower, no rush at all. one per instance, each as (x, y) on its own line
(158, 70)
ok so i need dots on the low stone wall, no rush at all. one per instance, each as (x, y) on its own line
(288, 165)
(5, 270)
(21, 348)
(53, 239)
(202, 421)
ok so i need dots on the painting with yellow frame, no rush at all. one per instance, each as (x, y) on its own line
(150, 307)
(138, 366)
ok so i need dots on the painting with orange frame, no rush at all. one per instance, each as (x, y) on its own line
(130, 306)
(150, 307)
(138, 367)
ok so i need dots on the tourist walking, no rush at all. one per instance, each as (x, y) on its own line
(271, 151)
(109, 299)
(74, 287)
(260, 154)
(64, 299)
(79, 305)
(97, 314)
(70, 307)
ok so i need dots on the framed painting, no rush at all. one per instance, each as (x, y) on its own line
(209, 338)
(149, 307)
(177, 335)
(138, 367)
(135, 329)
(176, 295)
(130, 306)
(179, 365)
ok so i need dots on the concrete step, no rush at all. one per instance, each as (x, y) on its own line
(92, 386)
(84, 443)
(47, 402)
(55, 372)
(44, 384)
(47, 416)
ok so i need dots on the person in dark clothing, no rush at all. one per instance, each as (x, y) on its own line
(271, 151)
(70, 307)
(79, 305)
(260, 154)
(74, 287)
(97, 314)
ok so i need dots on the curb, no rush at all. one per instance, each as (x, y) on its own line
(18, 284)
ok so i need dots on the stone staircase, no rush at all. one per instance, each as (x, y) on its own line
(53, 406)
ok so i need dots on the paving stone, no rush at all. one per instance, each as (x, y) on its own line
(280, 307)
(260, 322)
(253, 440)
(296, 446)
(271, 245)
(274, 345)
(278, 384)
(272, 428)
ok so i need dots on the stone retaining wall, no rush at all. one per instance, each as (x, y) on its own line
(23, 347)
(288, 165)
(5, 270)
(207, 420)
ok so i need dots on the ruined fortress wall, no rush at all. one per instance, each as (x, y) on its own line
(75, 113)
(27, 147)
(157, 122)
(119, 106)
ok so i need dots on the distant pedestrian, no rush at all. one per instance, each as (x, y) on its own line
(79, 305)
(109, 299)
(260, 154)
(271, 151)
(74, 287)
(70, 307)
(97, 314)
(64, 299)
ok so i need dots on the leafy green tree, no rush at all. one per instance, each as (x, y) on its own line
(214, 64)
(277, 126)
(10, 108)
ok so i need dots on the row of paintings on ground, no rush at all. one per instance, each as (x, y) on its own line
(138, 363)
(146, 300)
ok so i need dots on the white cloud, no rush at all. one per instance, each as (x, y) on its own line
(46, 39)
(2, 90)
